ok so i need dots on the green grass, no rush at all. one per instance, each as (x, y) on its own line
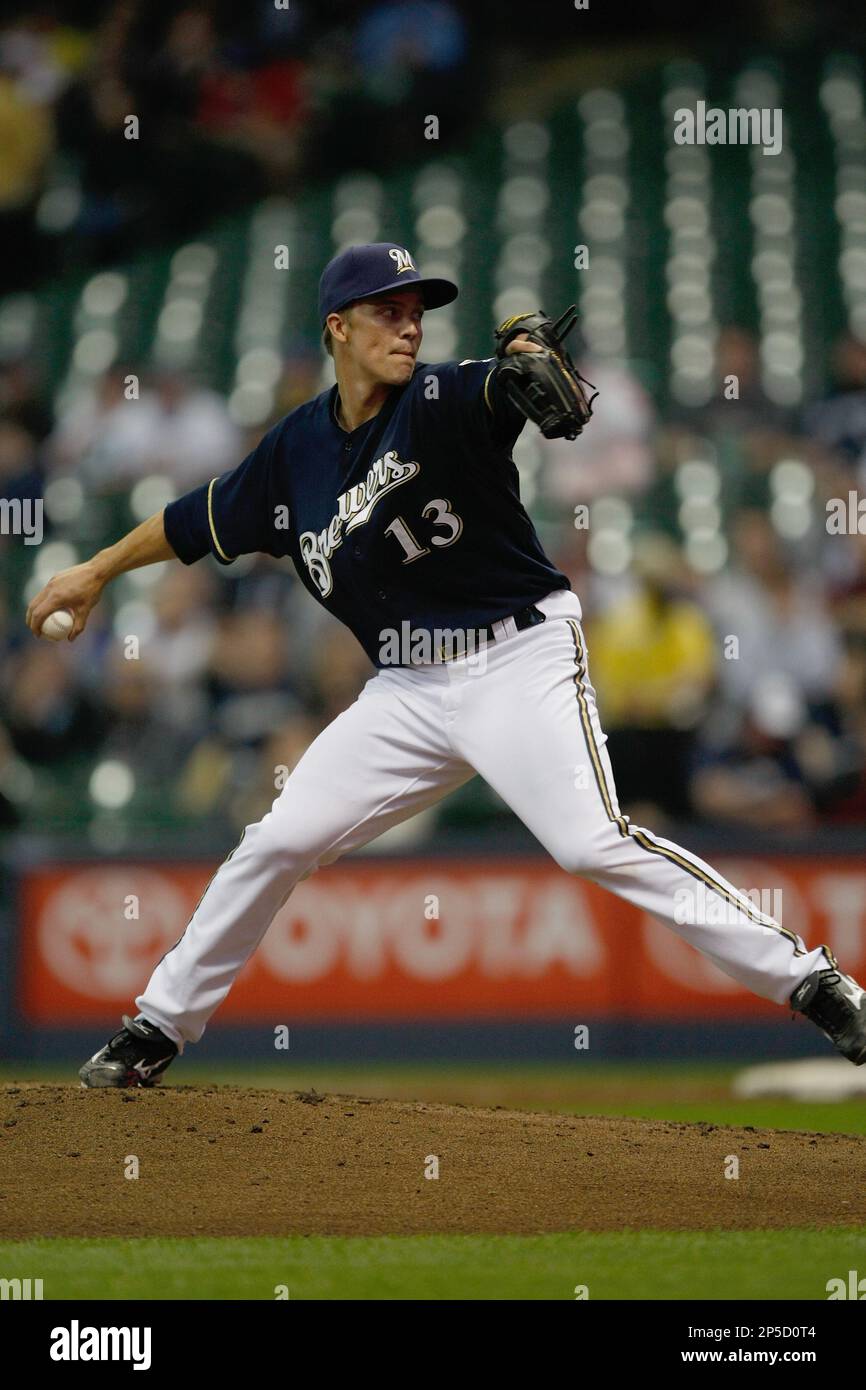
(630, 1265)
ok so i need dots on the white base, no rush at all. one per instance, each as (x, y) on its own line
(814, 1078)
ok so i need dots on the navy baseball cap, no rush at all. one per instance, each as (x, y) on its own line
(362, 271)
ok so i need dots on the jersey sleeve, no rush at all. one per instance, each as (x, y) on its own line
(234, 514)
(470, 391)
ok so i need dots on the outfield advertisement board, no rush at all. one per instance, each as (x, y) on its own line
(414, 940)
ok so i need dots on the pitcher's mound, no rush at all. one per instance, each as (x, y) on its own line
(181, 1161)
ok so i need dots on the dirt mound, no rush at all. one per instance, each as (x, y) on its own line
(228, 1161)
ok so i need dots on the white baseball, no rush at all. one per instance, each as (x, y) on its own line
(57, 625)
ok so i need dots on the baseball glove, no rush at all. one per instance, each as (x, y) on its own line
(546, 386)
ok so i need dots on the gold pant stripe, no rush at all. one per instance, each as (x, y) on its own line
(639, 836)
(201, 899)
(598, 769)
(216, 871)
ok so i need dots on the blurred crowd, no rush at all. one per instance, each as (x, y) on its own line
(230, 103)
(129, 122)
(733, 693)
(734, 696)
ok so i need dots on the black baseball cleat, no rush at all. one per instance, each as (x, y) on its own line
(838, 1005)
(136, 1056)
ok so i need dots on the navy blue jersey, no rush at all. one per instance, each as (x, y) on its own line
(414, 516)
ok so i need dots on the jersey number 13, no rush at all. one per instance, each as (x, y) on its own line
(439, 510)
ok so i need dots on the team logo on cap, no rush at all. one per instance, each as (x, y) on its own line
(402, 260)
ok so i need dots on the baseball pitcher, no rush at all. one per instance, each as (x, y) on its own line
(395, 495)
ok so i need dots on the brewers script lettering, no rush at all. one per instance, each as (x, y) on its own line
(353, 509)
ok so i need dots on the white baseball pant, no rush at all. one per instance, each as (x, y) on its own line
(525, 718)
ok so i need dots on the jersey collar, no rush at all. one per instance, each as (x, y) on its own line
(381, 417)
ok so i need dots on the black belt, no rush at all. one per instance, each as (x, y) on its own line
(475, 637)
